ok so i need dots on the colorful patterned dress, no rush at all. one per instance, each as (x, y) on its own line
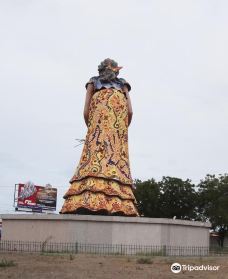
(102, 182)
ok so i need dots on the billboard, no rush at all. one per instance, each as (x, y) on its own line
(35, 198)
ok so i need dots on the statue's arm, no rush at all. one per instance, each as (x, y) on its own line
(130, 111)
(89, 93)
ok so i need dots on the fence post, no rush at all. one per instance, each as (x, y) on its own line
(76, 248)
(164, 250)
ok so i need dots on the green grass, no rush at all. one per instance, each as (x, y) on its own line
(6, 263)
(144, 261)
(60, 254)
(71, 257)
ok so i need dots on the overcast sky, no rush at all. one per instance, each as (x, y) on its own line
(174, 54)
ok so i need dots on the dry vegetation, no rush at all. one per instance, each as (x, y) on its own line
(42, 266)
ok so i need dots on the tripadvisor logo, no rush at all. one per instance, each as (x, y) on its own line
(176, 268)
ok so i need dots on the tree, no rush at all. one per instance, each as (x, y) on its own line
(213, 200)
(177, 198)
(147, 195)
(165, 199)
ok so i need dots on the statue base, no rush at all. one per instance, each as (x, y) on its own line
(105, 230)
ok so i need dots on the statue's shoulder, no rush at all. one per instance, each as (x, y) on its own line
(95, 78)
(124, 82)
(92, 80)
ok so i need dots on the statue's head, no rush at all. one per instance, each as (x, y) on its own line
(108, 70)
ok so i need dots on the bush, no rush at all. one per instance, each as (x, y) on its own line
(6, 263)
(144, 261)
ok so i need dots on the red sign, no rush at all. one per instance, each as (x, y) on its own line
(36, 197)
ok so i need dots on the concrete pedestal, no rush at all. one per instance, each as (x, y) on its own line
(89, 229)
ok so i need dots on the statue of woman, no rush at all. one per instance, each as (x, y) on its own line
(102, 183)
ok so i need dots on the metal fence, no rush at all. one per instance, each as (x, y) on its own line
(218, 251)
(108, 249)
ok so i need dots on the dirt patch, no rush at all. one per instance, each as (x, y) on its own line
(50, 266)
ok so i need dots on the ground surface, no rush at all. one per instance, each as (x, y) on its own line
(64, 266)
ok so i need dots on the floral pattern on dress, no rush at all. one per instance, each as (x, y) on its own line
(102, 180)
